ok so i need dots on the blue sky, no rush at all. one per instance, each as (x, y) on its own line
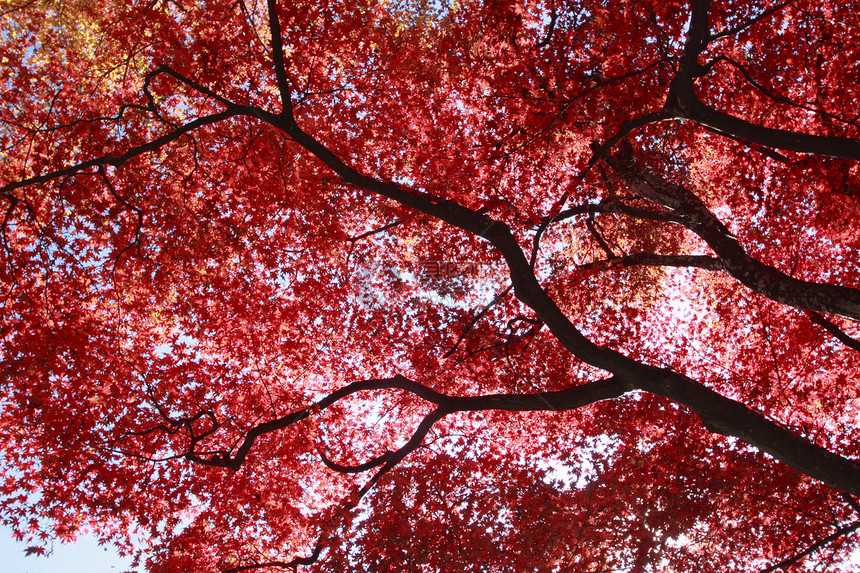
(85, 556)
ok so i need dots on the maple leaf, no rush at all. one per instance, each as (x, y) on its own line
(35, 550)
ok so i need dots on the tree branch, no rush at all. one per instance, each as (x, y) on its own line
(693, 109)
(553, 18)
(761, 278)
(278, 59)
(624, 130)
(567, 399)
(294, 564)
(361, 468)
(475, 320)
(601, 242)
(718, 413)
(189, 82)
(697, 35)
(840, 334)
(655, 260)
(117, 160)
(683, 103)
(375, 231)
(852, 502)
(745, 25)
(814, 547)
(619, 208)
(407, 448)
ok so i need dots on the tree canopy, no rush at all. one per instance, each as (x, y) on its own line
(412, 285)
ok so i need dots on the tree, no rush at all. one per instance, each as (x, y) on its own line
(429, 286)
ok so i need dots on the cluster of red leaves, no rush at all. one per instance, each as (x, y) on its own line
(179, 270)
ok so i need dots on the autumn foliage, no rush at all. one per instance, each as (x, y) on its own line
(409, 285)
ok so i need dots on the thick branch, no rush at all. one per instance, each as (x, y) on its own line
(725, 416)
(564, 400)
(837, 332)
(278, 59)
(442, 209)
(655, 260)
(718, 413)
(759, 277)
(683, 103)
(696, 41)
(236, 460)
(693, 109)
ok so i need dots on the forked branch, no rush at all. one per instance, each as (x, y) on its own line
(718, 413)
(752, 273)
(565, 400)
(683, 103)
(117, 160)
